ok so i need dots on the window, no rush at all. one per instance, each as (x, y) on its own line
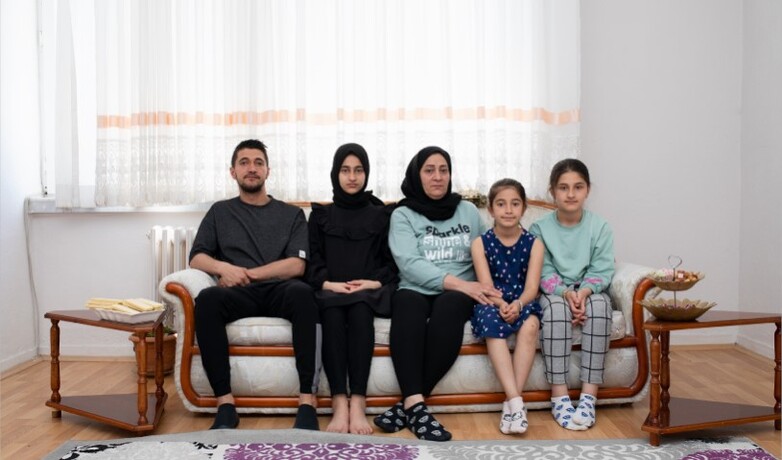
(153, 95)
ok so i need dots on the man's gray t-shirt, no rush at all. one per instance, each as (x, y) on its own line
(250, 236)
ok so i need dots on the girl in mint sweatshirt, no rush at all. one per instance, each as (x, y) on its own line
(578, 266)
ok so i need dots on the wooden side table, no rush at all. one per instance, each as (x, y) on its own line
(676, 415)
(138, 412)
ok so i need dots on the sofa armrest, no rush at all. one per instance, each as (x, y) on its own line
(193, 282)
(626, 279)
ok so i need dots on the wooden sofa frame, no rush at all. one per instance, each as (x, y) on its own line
(190, 349)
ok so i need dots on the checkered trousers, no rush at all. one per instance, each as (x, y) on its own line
(556, 337)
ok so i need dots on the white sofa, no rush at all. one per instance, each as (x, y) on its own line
(264, 378)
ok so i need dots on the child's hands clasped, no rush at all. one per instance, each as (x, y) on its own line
(351, 286)
(339, 288)
(509, 312)
(577, 302)
(360, 285)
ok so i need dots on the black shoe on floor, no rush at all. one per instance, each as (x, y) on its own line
(307, 418)
(424, 426)
(393, 419)
(226, 417)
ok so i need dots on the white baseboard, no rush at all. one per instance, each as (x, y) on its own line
(17, 359)
(762, 344)
(756, 338)
(120, 350)
(711, 336)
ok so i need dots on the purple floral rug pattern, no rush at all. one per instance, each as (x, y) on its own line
(693, 449)
(332, 451)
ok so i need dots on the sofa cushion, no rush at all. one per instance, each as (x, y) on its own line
(470, 374)
(258, 330)
(277, 331)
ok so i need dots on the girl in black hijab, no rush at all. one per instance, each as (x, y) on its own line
(430, 238)
(343, 198)
(354, 276)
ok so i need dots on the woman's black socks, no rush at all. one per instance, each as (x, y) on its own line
(423, 424)
(306, 418)
(226, 417)
(393, 419)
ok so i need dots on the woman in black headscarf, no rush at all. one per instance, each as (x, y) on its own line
(430, 236)
(354, 276)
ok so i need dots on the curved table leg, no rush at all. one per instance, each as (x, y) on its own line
(654, 390)
(141, 360)
(777, 370)
(54, 343)
(665, 377)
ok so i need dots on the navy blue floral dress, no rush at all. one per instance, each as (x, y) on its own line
(508, 266)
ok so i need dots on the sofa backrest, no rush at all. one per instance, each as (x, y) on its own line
(535, 210)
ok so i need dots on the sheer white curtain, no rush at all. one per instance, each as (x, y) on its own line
(180, 83)
(68, 92)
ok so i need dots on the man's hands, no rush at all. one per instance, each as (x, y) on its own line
(577, 302)
(351, 286)
(231, 275)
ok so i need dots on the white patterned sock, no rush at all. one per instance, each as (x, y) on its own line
(585, 412)
(562, 410)
(518, 422)
(505, 419)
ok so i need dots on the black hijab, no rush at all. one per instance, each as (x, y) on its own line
(415, 197)
(342, 198)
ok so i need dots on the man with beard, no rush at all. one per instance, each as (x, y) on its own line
(257, 247)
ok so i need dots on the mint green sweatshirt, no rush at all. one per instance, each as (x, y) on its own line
(425, 251)
(582, 254)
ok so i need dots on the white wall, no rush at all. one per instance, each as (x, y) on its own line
(78, 256)
(661, 101)
(760, 273)
(18, 175)
(662, 119)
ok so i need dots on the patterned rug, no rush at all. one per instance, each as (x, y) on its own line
(298, 444)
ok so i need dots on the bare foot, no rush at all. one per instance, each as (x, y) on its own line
(340, 421)
(358, 417)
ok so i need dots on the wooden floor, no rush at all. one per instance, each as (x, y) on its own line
(717, 373)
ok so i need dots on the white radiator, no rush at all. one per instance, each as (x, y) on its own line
(170, 247)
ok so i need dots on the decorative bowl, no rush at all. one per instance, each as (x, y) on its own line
(679, 280)
(683, 310)
(131, 311)
(475, 197)
(128, 318)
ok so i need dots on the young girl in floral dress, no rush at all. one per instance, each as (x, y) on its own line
(509, 258)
